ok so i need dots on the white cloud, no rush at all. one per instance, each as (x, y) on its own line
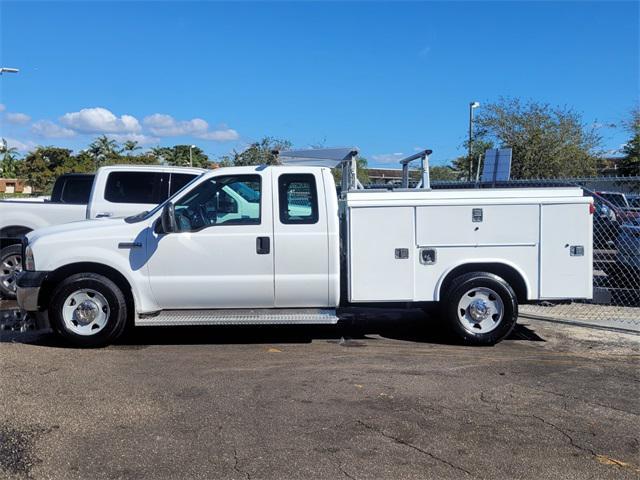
(17, 118)
(137, 137)
(46, 128)
(2, 107)
(222, 135)
(100, 120)
(20, 146)
(387, 157)
(164, 125)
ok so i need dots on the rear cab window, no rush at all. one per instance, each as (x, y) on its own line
(73, 189)
(297, 199)
(134, 187)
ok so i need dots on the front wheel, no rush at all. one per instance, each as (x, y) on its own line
(88, 310)
(10, 266)
(480, 308)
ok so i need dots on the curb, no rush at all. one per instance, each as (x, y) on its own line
(580, 324)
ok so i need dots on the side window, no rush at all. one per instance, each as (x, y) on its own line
(73, 189)
(133, 187)
(217, 202)
(298, 198)
(179, 180)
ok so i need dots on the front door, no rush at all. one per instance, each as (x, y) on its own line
(222, 255)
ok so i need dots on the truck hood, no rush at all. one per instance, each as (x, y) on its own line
(80, 229)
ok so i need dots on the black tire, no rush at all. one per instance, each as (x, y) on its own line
(8, 268)
(116, 321)
(463, 285)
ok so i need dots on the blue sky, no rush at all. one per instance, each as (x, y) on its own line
(387, 77)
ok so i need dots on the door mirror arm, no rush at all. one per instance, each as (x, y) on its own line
(168, 219)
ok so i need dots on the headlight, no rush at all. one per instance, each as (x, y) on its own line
(28, 262)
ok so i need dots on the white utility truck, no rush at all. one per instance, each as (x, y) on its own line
(277, 245)
(115, 191)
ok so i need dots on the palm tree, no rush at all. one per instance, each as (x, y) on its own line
(130, 146)
(101, 148)
(9, 162)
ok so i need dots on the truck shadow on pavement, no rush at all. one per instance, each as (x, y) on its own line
(355, 331)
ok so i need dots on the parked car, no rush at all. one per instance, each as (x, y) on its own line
(115, 191)
(628, 256)
(275, 245)
(625, 211)
(605, 221)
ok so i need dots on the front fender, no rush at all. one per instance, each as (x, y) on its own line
(119, 259)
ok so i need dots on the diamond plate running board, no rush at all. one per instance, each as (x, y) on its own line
(265, 316)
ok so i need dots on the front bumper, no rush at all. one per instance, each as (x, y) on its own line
(29, 284)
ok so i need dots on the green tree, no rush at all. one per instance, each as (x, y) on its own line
(362, 171)
(260, 152)
(630, 164)
(178, 156)
(547, 141)
(443, 173)
(10, 164)
(461, 164)
(130, 146)
(44, 164)
(103, 150)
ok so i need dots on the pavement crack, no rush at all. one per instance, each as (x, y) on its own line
(236, 467)
(572, 442)
(414, 447)
(345, 473)
(573, 397)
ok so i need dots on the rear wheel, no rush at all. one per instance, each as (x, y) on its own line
(10, 266)
(88, 310)
(480, 308)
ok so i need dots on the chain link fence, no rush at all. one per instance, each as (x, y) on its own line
(616, 259)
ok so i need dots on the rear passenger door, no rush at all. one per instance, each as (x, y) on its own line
(128, 192)
(301, 243)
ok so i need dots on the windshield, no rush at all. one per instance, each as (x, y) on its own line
(148, 214)
(634, 202)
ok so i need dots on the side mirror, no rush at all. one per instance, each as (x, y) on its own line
(168, 219)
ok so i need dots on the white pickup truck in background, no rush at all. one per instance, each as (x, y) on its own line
(276, 245)
(115, 191)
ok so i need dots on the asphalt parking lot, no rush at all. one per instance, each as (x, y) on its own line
(387, 399)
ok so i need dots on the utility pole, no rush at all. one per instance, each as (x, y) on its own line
(472, 106)
(191, 155)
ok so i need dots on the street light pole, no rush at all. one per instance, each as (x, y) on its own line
(191, 155)
(8, 70)
(472, 106)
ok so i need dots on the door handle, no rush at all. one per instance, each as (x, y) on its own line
(130, 245)
(103, 214)
(263, 245)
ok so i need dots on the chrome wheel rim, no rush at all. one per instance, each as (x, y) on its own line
(85, 312)
(480, 310)
(11, 266)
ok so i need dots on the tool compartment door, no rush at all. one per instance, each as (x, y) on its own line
(382, 254)
(566, 255)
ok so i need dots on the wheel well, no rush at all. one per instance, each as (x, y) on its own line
(12, 234)
(506, 272)
(56, 276)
